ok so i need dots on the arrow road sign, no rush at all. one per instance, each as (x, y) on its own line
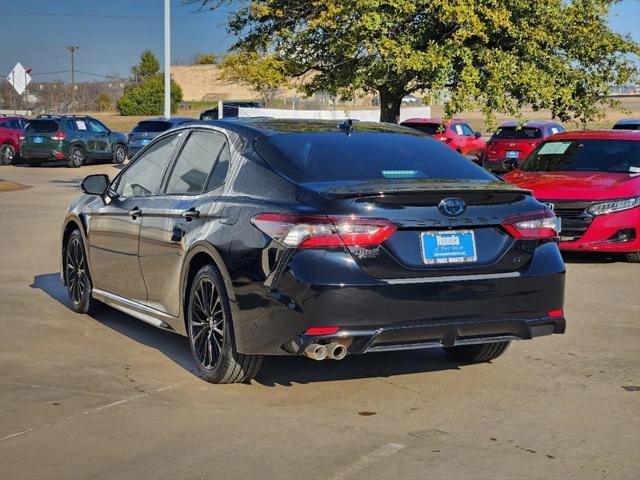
(19, 78)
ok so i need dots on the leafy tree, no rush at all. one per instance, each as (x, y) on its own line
(496, 55)
(147, 98)
(148, 67)
(206, 59)
(103, 102)
(265, 74)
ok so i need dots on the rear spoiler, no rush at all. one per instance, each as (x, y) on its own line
(344, 190)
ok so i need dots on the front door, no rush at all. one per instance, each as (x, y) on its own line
(114, 235)
(186, 204)
(114, 229)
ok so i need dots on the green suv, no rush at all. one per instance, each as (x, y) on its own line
(73, 138)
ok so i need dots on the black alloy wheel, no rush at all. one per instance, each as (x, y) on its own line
(210, 333)
(77, 274)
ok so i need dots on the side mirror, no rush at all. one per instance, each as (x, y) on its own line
(95, 184)
(510, 164)
(478, 134)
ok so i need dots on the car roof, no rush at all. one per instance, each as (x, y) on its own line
(11, 117)
(628, 121)
(266, 126)
(597, 135)
(170, 120)
(538, 124)
(436, 120)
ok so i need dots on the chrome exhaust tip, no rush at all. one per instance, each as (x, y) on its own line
(336, 351)
(315, 351)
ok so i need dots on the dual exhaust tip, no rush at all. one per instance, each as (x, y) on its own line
(332, 351)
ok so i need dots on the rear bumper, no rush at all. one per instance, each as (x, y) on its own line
(52, 155)
(448, 333)
(389, 316)
(602, 232)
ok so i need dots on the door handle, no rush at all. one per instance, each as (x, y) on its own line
(190, 214)
(135, 212)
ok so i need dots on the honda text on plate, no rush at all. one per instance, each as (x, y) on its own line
(289, 237)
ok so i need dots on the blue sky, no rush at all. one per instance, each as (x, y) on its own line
(111, 34)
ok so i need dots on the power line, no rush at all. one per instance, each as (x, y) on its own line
(92, 15)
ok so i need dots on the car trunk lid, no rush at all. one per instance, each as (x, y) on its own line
(415, 207)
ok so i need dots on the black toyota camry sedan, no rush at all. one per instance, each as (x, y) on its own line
(282, 237)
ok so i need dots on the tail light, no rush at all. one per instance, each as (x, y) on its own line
(300, 231)
(532, 226)
(322, 330)
(59, 136)
(556, 313)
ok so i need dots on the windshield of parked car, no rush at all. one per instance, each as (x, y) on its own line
(627, 126)
(152, 127)
(514, 133)
(362, 156)
(430, 128)
(589, 155)
(42, 126)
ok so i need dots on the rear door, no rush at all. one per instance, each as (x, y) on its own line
(114, 228)
(185, 205)
(100, 139)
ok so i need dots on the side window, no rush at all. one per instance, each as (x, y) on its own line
(193, 167)
(143, 177)
(467, 130)
(457, 128)
(71, 125)
(81, 125)
(97, 127)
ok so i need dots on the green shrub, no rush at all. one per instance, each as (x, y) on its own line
(147, 97)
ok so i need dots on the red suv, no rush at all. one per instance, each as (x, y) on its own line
(592, 181)
(457, 134)
(514, 142)
(10, 130)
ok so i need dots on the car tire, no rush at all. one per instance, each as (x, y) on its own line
(484, 352)
(76, 157)
(210, 331)
(633, 257)
(34, 162)
(119, 154)
(76, 274)
(7, 154)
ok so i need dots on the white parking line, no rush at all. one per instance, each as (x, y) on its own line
(87, 412)
(368, 459)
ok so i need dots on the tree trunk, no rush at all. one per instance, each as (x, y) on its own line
(390, 102)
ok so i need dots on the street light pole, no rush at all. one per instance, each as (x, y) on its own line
(167, 59)
(73, 49)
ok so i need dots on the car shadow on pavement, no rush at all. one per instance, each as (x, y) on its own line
(276, 370)
(287, 371)
(175, 347)
(592, 257)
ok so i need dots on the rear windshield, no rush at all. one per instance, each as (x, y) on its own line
(514, 133)
(152, 127)
(42, 126)
(361, 156)
(430, 128)
(627, 126)
(615, 156)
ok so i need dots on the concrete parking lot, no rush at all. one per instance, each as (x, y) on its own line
(108, 396)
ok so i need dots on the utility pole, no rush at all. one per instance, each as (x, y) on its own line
(73, 49)
(167, 58)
